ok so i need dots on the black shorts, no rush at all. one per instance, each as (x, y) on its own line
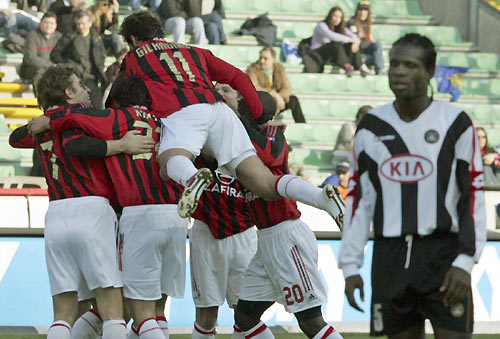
(405, 285)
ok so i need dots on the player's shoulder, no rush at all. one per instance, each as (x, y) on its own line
(443, 107)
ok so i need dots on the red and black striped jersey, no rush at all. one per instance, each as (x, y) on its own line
(223, 205)
(178, 75)
(272, 149)
(135, 178)
(67, 176)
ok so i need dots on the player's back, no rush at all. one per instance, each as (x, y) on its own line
(272, 149)
(135, 178)
(176, 75)
(223, 205)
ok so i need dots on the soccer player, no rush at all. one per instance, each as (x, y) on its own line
(284, 269)
(80, 224)
(152, 244)
(222, 243)
(179, 80)
(419, 179)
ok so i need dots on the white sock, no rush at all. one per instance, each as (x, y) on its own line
(237, 333)
(88, 326)
(259, 331)
(163, 323)
(149, 329)
(114, 329)
(292, 187)
(133, 334)
(59, 330)
(202, 333)
(328, 332)
(180, 169)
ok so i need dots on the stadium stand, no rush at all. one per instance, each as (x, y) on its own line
(329, 99)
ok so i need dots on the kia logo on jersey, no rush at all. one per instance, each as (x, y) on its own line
(406, 168)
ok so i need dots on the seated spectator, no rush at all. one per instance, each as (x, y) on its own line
(179, 19)
(360, 24)
(345, 138)
(106, 19)
(66, 11)
(340, 178)
(336, 44)
(14, 22)
(85, 52)
(27, 5)
(38, 46)
(270, 76)
(212, 13)
(112, 73)
(491, 158)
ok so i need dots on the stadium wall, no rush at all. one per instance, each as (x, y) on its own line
(475, 20)
(25, 298)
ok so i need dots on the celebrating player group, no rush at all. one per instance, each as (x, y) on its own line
(185, 134)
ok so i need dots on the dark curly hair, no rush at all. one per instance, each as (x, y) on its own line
(143, 25)
(424, 43)
(51, 85)
(130, 91)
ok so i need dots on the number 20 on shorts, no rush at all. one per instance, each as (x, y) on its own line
(293, 295)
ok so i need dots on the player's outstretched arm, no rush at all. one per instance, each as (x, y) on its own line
(20, 138)
(353, 283)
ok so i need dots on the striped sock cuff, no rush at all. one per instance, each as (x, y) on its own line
(61, 323)
(204, 331)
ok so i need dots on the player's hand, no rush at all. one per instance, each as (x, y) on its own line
(455, 286)
(135, 143)
(351, 284)
(39, 125)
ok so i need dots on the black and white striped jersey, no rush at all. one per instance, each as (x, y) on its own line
(415, 178)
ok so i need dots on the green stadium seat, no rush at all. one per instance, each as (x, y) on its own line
(488, 61)
(8, 153)
(7, 170)
(493, 136)
(312, 134)
(312, 159)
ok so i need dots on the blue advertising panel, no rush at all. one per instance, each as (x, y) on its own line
(25, 298)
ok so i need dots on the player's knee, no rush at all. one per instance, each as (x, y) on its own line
(206, 317)
(248, 313)
(311, 320)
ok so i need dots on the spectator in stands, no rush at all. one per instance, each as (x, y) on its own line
(337, 44)
(491, 158)
(106, 19)
(86, 53)
(38, 46)
(66, 11)
(13, 22)
(211, 12)
(340, 178)
(179, 18)
(345, 137)
(270, 76)
(27, 5)
(112, 73)
(360, 24)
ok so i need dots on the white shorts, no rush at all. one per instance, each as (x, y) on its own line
(80, 245)
(218, 265)
(285, 268)
(153, 251)
(214, 127)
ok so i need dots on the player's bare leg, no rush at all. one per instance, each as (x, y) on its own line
(313, 325)
(247, 317)
(442, 333)
(89, 322)
(144, 314)
(415, 332)
(109, 302)
(206, 319)
(160, 315)
(65, 313)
